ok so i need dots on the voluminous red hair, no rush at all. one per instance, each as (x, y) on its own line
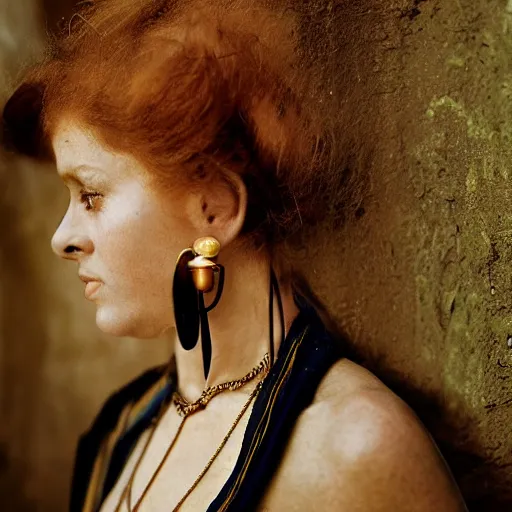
(191, 88)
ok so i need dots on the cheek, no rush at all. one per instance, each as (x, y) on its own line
(139, 246)
(133, 248)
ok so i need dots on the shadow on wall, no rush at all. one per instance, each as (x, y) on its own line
(484, 483)
(24, 342)
(11, 489)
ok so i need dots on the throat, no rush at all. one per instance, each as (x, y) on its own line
(246, 329)
(185, 407)
(230, 369)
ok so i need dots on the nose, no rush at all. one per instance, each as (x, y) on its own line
(70, 241)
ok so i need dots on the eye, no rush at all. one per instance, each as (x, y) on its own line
(88, 198)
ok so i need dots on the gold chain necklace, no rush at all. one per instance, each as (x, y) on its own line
(186, 409)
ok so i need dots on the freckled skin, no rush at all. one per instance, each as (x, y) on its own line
(130, 239)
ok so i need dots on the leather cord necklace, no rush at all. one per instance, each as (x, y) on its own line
(185, 409)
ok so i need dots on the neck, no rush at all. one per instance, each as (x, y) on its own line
(239, 327)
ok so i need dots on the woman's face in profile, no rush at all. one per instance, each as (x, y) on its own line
(122, 230)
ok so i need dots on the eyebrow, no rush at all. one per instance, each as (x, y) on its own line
(73, 174)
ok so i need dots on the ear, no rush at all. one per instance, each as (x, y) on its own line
(219, 207)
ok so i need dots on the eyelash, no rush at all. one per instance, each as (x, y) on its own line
(86, 197)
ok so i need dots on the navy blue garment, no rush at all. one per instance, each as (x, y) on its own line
(303, 359)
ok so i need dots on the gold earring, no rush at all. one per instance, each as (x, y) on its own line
(203, 266)
(190, 311)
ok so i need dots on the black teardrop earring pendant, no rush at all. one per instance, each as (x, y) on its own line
(274, 289)
(206, 341)
(186, 307)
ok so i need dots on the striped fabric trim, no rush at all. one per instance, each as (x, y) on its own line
(101, 464)
(264, 422)
(144, 403)
(128, 417)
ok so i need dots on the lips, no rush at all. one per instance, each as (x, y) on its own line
(91, 288)
(92, 283)
(86, 278)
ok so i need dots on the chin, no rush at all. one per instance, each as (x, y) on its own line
(121, 324)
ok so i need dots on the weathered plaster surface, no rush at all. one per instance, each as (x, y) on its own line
(421, 282)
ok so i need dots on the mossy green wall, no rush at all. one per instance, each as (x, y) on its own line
(422, 280)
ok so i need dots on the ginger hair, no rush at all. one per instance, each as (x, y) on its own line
(191, 88)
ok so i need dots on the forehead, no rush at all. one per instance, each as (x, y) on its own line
(75, 146)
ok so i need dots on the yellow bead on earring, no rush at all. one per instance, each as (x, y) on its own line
(206, 246)
(202, 268)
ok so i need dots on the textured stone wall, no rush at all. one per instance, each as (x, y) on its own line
(418, 278)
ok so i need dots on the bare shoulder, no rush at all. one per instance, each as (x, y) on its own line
(346, 379)
(360, 414)
(360, 447)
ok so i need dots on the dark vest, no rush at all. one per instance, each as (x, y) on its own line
(303, 359)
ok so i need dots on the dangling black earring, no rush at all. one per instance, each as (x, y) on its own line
(184, 293)
(274, 289)
(193, 277)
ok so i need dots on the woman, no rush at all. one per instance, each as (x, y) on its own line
(193, 148)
